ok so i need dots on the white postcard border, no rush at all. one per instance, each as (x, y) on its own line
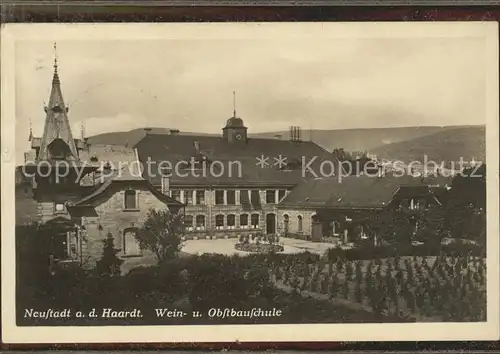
(11, 333)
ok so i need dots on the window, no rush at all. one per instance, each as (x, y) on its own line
(188, 222)
(200, 222)
(293, 164)
(255, 221)
(255, 197)
(130, 200)
(270, 197)
(131, 246)
(244, 221)
(231, 221)
(231, 197)
(299, 223)
(200, 197)
(188, 197)
(165, 184)
(244, 200)
(286, 221)
(335, 228)
(219, 222)
(281, 194)
(176, 194)
(59, 207)
(219, 197)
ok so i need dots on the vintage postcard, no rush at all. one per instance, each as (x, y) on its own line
(249, 182)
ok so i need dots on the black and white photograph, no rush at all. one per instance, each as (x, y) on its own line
(252, 182)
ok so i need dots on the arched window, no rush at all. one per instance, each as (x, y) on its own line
(200, 222)
(335, 228)
(130, 244)
(188, 222)
(219, 221)
(244, 221)
(255, 221)
(231, 221)
(286, 223)
(299, 223)
(130, 199)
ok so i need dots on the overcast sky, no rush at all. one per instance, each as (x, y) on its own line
(330, 83)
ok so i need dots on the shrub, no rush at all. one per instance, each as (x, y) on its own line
(258, 247)
(109, 264)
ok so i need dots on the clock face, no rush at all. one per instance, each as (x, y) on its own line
(238, 136)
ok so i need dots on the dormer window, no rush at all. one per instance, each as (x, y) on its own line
(59, 150)
(293, 164)
(130, 200)
(57, 109)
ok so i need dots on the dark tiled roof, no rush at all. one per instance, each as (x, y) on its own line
(175, 148)
(356, 191)
(89, 199)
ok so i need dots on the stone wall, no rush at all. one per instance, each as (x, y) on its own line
(113, 217)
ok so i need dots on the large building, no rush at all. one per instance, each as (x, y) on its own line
(231, 184)
(79, 192)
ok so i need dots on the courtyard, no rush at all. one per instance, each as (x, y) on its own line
(226, 246)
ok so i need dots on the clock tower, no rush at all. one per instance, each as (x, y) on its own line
(235, 130)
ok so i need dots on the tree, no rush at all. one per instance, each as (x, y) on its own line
(341, 154)
(390, 226)
(466, 207)
(109, 264)
(161, 233)
(430, 227)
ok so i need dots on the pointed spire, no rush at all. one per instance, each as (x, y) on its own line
(234, 104)
(55, 78)
(56, 121)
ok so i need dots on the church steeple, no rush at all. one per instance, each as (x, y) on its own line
(57, 140)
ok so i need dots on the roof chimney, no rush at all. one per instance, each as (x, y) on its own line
(295, 133)
(174, 131)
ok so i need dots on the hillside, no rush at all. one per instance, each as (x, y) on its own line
(447, 145)
(130, 137)
(349, 139)
(359, 139)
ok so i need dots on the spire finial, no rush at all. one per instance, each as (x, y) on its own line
(234, 104)
(55, 57)
(82, 131)
(31, 132)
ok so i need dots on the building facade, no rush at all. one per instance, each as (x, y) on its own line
(231, 184)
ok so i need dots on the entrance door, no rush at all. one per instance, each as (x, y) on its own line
(59, 247)
(270, 224)
(317, 231)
